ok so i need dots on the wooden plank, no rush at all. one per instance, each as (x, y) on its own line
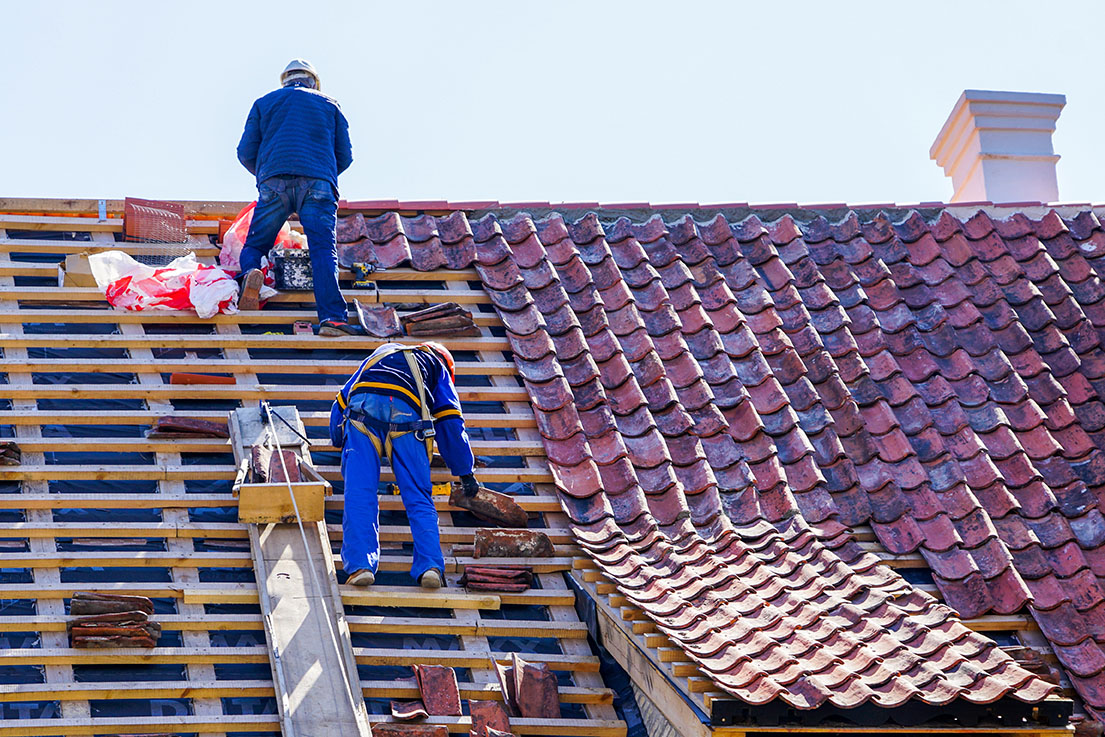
(71, 224)
(223, 366)
(402, 689)
(305, 342)
(232, 724)
(260, 654)
(571, 630)
(275, 503)
(149, 559)
(79, 209)
(88, 314)
(275, 392)
(134, 656)
(203, 209)
(528, 726)
(508, 448)
(242, 593)
(481, 627)
(542, 503)
(91, 207)
(35, 417)
(395, 296)
(127, 558)
(47, 247)
(388, 533)
(214, 724)
(89, 224)
(310, 652)
(150, 472)
(50, 269)
(26, 269)
(402, 596)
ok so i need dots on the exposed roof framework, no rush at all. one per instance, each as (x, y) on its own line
(97, 506)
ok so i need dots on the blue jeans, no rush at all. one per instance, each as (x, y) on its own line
(317, 205)
(360, 467)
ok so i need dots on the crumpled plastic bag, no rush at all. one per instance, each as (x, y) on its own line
(185, 284)
(235, 237)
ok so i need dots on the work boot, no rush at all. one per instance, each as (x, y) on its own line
(250, 283)
(339, 327)
(363, 577)
(431, 579)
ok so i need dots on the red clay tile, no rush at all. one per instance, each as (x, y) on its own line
(560, 423)
(351, 228)
(488, 715)
(454, 228)
(579, 481)
(569, 452)
(400, 729)
(438, 687)
(526, 321)
(408, 710)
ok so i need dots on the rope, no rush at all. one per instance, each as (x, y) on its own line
(267, 413)
(291, 427)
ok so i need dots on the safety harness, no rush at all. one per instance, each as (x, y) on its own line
(423, 429)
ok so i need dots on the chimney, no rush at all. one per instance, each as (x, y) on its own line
(996, 146)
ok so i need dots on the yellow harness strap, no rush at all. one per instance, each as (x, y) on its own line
(384, 449)
(412, 364)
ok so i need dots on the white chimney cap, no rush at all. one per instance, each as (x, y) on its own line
(996, 146)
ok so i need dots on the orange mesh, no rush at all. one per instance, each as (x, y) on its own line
(153, 221)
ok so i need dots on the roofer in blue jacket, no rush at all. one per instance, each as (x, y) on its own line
(296, 142)
(395, 405)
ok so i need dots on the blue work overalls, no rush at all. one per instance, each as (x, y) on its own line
(375, 392)
(360, 467)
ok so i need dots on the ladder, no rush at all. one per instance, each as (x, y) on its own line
(314, 669)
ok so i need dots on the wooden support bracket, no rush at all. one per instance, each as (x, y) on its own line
(263, 503)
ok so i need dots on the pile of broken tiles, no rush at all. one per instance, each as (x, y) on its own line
(497, 543)
(529, 690)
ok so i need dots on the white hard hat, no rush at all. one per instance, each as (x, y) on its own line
(299, 68)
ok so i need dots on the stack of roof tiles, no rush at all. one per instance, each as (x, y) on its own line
(722, 401)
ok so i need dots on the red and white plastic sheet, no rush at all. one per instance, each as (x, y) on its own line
(184, 284)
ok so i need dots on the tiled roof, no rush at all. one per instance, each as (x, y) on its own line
(721, 401)
(470, 206)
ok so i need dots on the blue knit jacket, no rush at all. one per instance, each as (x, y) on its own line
(296, 131)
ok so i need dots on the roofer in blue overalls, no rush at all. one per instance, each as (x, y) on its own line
(395, 405)
(296, 142)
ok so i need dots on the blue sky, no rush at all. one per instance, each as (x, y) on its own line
(661, 102)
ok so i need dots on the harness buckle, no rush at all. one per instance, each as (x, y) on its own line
(426, 431)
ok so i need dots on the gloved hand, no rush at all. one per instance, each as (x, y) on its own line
(470, 485)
